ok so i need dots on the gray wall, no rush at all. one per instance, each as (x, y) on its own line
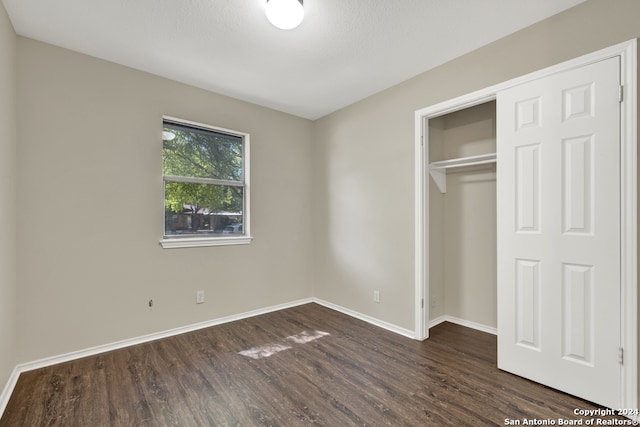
(90, 206)
(364, 160)
(8, 144)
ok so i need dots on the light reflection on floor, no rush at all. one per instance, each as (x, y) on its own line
(273, 348)
(306, 337)
(264, 351)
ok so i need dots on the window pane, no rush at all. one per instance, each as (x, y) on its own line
(201, 153)
(203, 209)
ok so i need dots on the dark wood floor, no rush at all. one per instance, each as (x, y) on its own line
(356, 374)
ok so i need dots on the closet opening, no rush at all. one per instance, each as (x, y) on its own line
(460, 159)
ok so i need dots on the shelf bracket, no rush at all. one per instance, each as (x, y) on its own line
(439, 178)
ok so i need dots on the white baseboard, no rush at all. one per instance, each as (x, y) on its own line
(8, 389)
(48, 361)
(372, 320)
(462, 322)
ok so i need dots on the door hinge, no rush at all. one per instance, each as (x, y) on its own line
(620, 93)
(621, 355)
(422, 302)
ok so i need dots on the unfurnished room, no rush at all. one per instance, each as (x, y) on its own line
(296, 212)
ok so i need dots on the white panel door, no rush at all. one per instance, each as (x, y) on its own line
(558, 183)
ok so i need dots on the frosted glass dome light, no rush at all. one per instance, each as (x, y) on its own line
(285, 14)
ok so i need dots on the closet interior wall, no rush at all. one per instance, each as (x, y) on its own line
(462, 221)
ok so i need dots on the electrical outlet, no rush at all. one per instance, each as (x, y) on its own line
(199, 297)
(376, 296)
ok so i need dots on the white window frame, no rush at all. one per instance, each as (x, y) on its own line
(224, 240)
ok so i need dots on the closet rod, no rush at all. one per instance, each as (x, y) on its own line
(438, 170)
(464, 161)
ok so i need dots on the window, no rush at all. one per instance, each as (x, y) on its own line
(206, 185)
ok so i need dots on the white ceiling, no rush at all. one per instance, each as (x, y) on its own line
(344, 50)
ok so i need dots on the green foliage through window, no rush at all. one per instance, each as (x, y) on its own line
(204, 187)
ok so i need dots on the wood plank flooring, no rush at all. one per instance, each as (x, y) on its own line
(353, 374)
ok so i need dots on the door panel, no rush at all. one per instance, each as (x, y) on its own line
(558, 182)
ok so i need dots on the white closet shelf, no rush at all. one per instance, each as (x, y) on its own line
(464, 161)
(438, 170)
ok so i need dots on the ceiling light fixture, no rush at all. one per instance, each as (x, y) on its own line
(285, 14)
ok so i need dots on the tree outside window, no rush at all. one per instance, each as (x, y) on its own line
(205, 181)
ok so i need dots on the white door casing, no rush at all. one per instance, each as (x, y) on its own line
(558, 213)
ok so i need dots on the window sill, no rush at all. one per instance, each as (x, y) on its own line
(196, 242)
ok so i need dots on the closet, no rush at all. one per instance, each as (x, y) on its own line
(462, 216)
(527, 222)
